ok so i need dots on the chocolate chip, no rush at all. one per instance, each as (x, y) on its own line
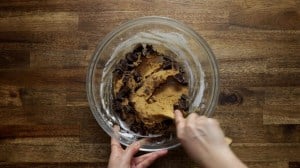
(143, 129)
(124, 65)
(181, 70)
(123, 93)
(130, 67)
(118, 71)
(128, 109)
(150, 49)
(131, 57)
(131, 104)
(184, 97)
(136, 76)
(167, 122)
(138, 48)
(167, 65)
(136, 127)
(168, 59)
(176, 107)
(117, 107)
(125, 79)
(123, 115)
(181, 79)
(121, 67)
(183, 103)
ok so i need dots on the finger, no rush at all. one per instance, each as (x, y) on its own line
(145, 156)
(131, 150)
(213, 122)
(116, 129)
(178, 116)
(192, 117)
(115, 144)
(144, 141)
(180, 122)
(202, 120)
(141, 158)
(191, 120)
(151, 158)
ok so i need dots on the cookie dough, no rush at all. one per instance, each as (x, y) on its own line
(148, 87)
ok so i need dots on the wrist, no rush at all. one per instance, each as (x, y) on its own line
(221, 157)
(228, 159)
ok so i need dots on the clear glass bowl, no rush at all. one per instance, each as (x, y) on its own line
(187, 47)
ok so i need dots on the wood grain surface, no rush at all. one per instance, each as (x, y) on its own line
(45, 47)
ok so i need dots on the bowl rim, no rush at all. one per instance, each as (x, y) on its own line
(139, 21)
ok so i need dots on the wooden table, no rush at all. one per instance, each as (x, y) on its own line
(45, 47)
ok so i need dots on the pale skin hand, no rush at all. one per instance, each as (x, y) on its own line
(120, 158)
(204, 141)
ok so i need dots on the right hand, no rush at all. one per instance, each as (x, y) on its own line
(204, 141)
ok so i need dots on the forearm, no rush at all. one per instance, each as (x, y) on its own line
(223, 158)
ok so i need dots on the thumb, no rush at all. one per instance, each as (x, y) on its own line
(130, 151)
(180, 121)
(115, 144)
(178, 117)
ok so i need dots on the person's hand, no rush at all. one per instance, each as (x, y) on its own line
(120, 158)
(204, 141)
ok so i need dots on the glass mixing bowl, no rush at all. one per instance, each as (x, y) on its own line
(187, 47)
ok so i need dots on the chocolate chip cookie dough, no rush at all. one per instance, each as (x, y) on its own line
(148, 87)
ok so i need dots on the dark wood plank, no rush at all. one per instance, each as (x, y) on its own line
(39, 40)
(281, 105)
(268, 164)
(9, 95)
(43, 78)
(13, 131)
(267, 151)
(54, 165)
(266, 18)
(102, 5)
(43, 115)
(91, 22)
(246, 125)
(38, 21)
(14, 59)
(294, 164)
(60, 58)
(62, 152)
(281, 114)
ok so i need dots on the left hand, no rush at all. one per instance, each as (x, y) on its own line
(125, 158)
